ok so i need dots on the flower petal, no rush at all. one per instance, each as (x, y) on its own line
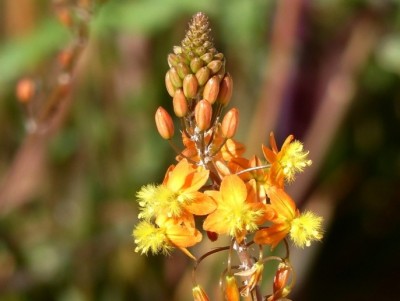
(233, 189)
(201, 204)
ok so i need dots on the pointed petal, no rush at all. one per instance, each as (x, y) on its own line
(201, 204)
(272, 235)
(268, 154)
(282, 203)
(182, 236)
(195, 180)
(233, 189)
(213, 223)
(178, 175)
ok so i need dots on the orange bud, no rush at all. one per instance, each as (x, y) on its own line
(225, 90)
(180, 104)
(202, 75)
(203, 114)
(231, 289)
(190, 86)
(199, 294)
(211, 89)
(215, 66)
(168, 84)
(25, 90)
(174, 76)
(280, 289)
(164, 123)
(230, 123)
(65, 58)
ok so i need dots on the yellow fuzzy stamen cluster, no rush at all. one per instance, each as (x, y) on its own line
(294, 160)
(159, 200)
(306, 228)
(150, 238)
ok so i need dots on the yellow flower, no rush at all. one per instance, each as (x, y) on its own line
(306, 228)
(291, 159)
(236, 214)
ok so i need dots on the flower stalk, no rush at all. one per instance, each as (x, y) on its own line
(244, 199)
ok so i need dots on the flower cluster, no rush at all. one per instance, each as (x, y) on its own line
(239, 197)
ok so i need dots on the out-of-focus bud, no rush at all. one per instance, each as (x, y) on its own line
(25, 90)
(207, 57)
(168, 84)
(190, 86)
(196, 64)
(65, 58)
(219, 56)
(182, 69)
(231, 289)
(225, 90)
(164, 123)
(175, 79)
(180, 103)
(177, 49)
(280, 288)
(173, 60)
(203, 114)
(230, 123)
(64, 16)
(211, 89)
(214, 66)
(199, 294)
(202, 75)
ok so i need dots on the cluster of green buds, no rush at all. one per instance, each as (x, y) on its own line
(200, 88)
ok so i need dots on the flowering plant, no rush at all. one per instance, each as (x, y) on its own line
(242, 198)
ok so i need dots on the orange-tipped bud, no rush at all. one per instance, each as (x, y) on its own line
(175, 79)
(196, 64)
(199, 294)
(225, 90)
(202, 114)
(25, 90)
(215, 66)
(211, 89)
(190, 86)
(230, 123)
(231, 289)
(168, 84)
(65, 58)
(164, 123)
(180, 104)
(202, 75)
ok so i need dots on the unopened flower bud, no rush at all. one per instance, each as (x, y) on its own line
(202, 75)
(182, 69)
(280, 288)
(230, 123)
(177, 49)
(211, 89)
(175, 79)
(219, 56)
(164, 123)
(203, 114)
(180, 103)
(214, 66)
(190, 86)
(168, 84)
(25, 90)
(225, 90)
(173, 60)
(207, 57)
(196, 64)
(231, 289)
(199, 294)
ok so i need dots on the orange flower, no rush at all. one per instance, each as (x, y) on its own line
(291, 159)
(236, 214)
(285, 210)
(303, 228)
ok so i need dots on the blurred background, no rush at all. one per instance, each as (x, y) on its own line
(80, 82)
